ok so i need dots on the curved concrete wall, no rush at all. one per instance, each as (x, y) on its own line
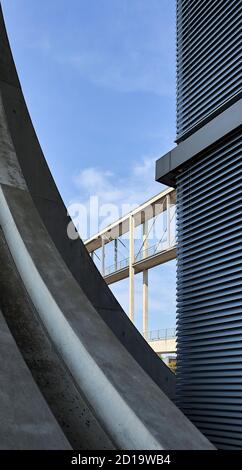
(26, 421)
(126, 406)
(73, 413)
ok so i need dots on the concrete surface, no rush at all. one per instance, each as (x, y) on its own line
(26, 421)
(163, 346)
(50, 374)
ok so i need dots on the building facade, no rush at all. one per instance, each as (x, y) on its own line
(206, 169)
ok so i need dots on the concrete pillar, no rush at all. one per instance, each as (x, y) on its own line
(131, 268)
(145, 303)
(145, 281)
(103, 256)
(168, 219)
(116, 253)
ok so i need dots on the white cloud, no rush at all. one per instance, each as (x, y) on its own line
(100, 183)
(108, 196)
(134, 188)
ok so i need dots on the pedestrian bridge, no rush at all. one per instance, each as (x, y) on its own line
(144, 257)
(162, 341)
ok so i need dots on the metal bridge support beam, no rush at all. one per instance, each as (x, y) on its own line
(131, 268)
(168, 219)
(145, 281)
(103, 256)
(116, 253)
(145, 302)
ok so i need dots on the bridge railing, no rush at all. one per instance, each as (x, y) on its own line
(123, 263)
(150, 251)
(163, 334)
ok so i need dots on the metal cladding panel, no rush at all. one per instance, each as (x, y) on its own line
(208, 60)
(209, 293)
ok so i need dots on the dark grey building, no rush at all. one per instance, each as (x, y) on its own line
(206, 169)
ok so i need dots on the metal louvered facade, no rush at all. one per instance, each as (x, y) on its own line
(209, 293)
(206, 169)
(208, 60)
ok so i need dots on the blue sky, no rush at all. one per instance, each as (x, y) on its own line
(99, 81)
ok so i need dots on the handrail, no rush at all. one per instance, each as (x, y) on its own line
(150, 251)
(162, 334)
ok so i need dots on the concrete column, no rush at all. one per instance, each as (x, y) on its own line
(168, 219)
(145, 303)
(145, 281)
(116, 253)
(103, 257)
(131, 268)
